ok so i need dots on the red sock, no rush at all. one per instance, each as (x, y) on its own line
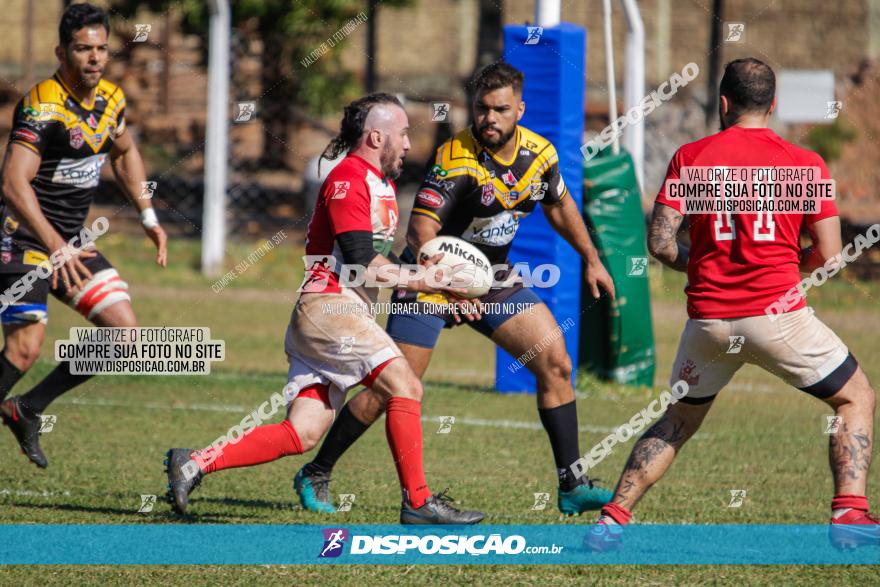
(403, 427)
(617, 512)
(261, 445)
(843, 501)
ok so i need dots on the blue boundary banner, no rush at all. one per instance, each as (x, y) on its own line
(152, 544)
(554, 67)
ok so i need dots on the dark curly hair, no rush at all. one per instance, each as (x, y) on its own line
(496, 76)
(352, 126)
(77, 16)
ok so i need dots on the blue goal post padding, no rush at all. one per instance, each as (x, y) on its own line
(553, 61)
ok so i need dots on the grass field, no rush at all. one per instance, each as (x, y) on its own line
(107, 446)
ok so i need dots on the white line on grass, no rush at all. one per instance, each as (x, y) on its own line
(230, 408)
(31, 493)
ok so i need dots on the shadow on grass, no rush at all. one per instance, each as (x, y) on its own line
(150, 517)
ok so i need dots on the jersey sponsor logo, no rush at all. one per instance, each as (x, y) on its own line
(25, 135)
(508, 178)
(488, 194)
(83, 173)
(511, 197)
(340, 189)
(539, 189)
(92, 121)
(76, 137)
(429, 198)
(34, 257)
(441, 184)
(494, 231)
(455, 249)
(438, 171)
(524, 152)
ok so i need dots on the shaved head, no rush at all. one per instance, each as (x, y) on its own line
(374, 128)
(382, 138)
(381, 116)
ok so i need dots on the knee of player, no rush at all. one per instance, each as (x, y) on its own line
(309, 437)
(23, 354)
(410, 388)
(868, 398)
(558, 366)
(857, 392)
(123, 319)
(414, 389)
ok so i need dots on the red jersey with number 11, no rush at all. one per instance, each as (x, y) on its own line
(741, 263)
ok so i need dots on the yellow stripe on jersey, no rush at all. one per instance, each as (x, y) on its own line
(24, 144)
(426, 213)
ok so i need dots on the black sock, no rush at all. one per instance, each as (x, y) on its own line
(344, 432)
(561, 424)
(53, 386)
(9, 375)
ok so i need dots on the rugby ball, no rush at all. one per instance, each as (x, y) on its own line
(474, 273)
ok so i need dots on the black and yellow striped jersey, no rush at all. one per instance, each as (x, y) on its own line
(73, 141)
(479, 198)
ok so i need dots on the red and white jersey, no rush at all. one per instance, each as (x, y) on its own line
(741, 263)
(354, 196)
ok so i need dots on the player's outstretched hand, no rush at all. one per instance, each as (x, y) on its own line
(597, 275)
(160, 239)
(72, 271)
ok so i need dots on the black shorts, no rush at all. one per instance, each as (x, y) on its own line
(25, 295)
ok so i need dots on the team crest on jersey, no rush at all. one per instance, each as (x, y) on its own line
(10, 225)
(76, 137)
(508, 178)
(539, 189)
(340, 189)
(488, 194)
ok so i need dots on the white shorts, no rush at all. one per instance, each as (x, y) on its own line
(333, 343)
(796, 347)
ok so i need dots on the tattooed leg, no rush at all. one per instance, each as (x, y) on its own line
(849, 450)
(655, 450)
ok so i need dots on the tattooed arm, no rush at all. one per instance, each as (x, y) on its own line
(662, 242)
